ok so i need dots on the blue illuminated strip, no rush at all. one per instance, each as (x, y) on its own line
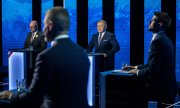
(70, 5)
(15, 14)
(94, 14)
(122, 31)
(46, 4)
(91, 83)
(178, 41)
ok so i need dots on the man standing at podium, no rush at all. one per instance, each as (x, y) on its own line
(159, 72)
(35, 38)
(61, 72)
(105, 43)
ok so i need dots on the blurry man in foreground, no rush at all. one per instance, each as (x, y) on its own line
(159, 72)
(61, 72)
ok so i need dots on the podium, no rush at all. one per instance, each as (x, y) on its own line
(122, 90)
(21, 66)
(96, 66)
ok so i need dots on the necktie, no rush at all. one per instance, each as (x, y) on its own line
(32, 37)
(99, 38)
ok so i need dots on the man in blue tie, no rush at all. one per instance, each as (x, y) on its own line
(106, 43)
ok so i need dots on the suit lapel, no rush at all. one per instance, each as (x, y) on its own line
(96, 40)
(36, 37)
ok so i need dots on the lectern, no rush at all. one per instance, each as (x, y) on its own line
(96, 66)
(122, 90)
(21, 66)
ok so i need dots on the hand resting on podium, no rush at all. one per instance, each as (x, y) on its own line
(5, 95)
(130, 69)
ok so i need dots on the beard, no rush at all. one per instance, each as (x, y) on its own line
(48, 38)
(153, 29)
(48, 35)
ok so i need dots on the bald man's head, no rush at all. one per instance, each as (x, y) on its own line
(33, 26)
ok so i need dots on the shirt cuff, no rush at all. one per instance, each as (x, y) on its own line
(10, 95)
(137, 73)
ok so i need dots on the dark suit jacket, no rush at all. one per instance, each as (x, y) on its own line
(160, 68)
(108, 45)
(60, 78)
(38, 43)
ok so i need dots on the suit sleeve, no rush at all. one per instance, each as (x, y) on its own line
(115, 46)
(141, 66)
(153, 63)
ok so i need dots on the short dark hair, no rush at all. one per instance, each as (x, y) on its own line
(60, 18)
(164, 18)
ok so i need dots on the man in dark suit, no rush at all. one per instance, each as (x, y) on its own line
(159, 72)
(106, 43)
(35, 38)
(61, 72)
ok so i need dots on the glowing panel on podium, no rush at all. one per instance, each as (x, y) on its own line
(16, 68)
(91, 83)
(96, 66)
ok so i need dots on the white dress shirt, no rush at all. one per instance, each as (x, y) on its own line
(59, 37)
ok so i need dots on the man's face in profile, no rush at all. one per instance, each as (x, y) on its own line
(153, 25)
(100, 27)
(47, 28)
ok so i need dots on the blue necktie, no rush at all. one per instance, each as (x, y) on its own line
(99, 38)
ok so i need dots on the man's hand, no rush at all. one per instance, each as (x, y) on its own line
(133, 71)
(105, 55)
(5, 95)
(128, 68)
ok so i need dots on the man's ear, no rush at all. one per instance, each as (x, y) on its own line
(160, 24)
(105, 27)
(50, 25)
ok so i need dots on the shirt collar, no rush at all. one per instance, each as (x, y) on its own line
(102, 33)
(59, 37)
(155, 34)
(34, 33)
